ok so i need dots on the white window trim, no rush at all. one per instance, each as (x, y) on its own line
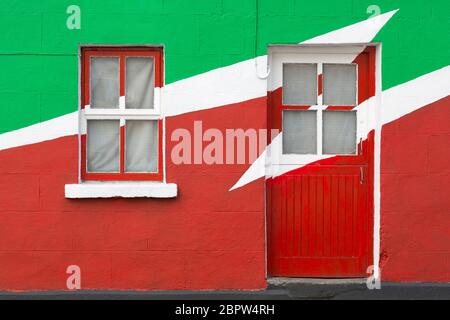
(119, 189)
(122, 112)
(318, 56)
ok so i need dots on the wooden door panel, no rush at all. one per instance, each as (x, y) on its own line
(322, 267)
(319, 216)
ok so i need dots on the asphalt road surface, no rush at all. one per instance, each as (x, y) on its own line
(277, 290)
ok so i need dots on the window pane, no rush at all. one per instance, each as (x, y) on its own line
(299, 132)
(339, 132)
(105, 82)
(141, 146)
(339, 84)
(139, 83)
(103, 140)
(299, 84)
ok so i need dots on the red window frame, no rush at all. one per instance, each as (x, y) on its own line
(122, 53)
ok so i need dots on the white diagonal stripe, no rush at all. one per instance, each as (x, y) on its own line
(396, 102)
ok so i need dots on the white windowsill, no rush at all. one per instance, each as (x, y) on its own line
(134, 189)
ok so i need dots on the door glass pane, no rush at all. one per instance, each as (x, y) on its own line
(339, 132)
(299, 132)
(299, 84)
(139, 83)
(103, 139)
(339, 84)
(105, 82)
(141, 146)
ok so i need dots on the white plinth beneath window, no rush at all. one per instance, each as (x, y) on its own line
(138, 189)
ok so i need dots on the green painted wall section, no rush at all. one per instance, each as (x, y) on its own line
(38, 53)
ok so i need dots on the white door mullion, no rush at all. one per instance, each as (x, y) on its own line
(319, 131)
(319, 95)
(122, 102)
(319, 112)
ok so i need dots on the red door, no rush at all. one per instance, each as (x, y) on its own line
(320, 195)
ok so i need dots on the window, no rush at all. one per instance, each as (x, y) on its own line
(300, 84)
(120, 94)
(339, 84)
(317, 122)
(300, 132)
(339, 132)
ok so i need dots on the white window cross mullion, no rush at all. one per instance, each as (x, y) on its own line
(319, 131)
(319, 73)
(320, 107)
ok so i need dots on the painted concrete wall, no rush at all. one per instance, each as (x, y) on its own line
(415, 199)
(207, 238)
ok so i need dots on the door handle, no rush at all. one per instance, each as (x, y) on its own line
(360, 146)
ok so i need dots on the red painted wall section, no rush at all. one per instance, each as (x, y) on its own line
(415, 195)
(206, 238)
